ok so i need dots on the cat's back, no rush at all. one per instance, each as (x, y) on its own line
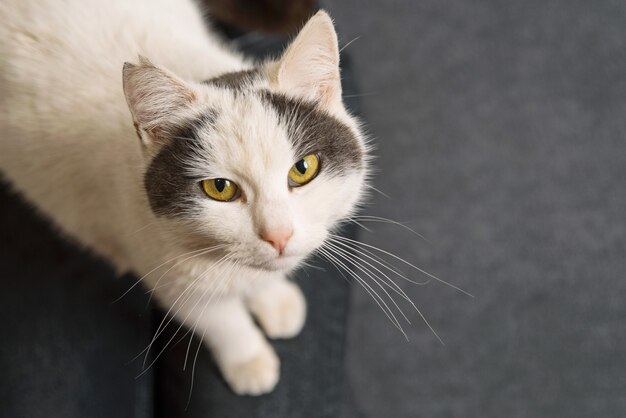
(61, 67)
(73, 50)
(66, 135)
(74, 42)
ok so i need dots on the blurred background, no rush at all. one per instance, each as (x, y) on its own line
(500, 134)
(500, 129)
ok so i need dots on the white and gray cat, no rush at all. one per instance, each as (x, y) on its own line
(207, 175)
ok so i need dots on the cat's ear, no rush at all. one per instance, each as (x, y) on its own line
(156, 99)
(310, 65)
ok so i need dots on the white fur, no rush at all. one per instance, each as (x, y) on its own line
(68, 144)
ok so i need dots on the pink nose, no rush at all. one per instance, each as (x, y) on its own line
(277, 237)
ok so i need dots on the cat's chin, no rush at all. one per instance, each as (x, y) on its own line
(280, 264)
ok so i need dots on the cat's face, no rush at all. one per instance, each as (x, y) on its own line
(262, 163)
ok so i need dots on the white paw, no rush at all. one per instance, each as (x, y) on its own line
(256, 376)
(280, 309)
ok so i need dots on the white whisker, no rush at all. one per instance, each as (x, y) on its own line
(351, 220)
(210, 249)
(142, 228)
(155, 269)
(378, 191)
(403, 261)
(381, 261)
(356, 263)
(377, 298)
(162, 327)
(404, 296)
(349, 43)
(224, 280)
(187, 289)
(369, 218)
(195, 358)
(313, 266)
(356, 258)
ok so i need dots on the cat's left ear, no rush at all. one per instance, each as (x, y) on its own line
(310, 65)
(157, 99)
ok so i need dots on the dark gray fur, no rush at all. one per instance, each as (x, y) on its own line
(170, 191)
(319, 131)
(313, 130)
(235, 80)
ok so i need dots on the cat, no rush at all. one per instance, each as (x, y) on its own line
(144, 138)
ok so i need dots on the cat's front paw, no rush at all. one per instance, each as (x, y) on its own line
(280, 309)
(255, 376)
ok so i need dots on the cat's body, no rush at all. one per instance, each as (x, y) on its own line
(61, 90)
(67, 142)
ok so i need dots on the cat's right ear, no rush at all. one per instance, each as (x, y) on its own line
(309, 67)
(156, 99)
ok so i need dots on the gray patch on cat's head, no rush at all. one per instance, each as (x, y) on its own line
(236, 80)
(313, 130)
(173, 193)
(170, 191)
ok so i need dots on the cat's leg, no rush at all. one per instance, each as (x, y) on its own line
(243, 355)
(279, 306)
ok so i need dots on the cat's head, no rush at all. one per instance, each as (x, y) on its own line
(262, 163)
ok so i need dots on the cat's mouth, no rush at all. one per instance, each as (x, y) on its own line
(282, 263)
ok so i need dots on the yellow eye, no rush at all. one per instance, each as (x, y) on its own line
(220, 189)
(304, 170)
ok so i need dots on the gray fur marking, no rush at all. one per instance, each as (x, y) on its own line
(313, 130)
(235, 80)
(170, 192)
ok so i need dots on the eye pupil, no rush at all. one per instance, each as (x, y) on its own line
(222, 190)
(220, 184)
(302, 166)
(304, 171)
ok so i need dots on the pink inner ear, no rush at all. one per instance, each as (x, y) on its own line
(328, 94)
(154, 94)
(310, 66)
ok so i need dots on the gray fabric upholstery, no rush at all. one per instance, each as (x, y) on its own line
(501, 134)
(66, 348)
